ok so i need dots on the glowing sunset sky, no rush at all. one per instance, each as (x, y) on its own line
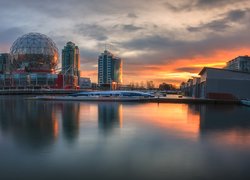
(160, 40)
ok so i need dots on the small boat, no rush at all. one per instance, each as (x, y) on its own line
(245, 102)
(100, 96)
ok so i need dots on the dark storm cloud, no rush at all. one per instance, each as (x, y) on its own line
(222, 24)
(188, 69)
(92, 31)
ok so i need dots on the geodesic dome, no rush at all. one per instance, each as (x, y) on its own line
(36, 51)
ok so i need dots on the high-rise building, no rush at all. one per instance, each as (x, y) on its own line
(241, 63)
(70, 65)
(109, 69)
(4, 63)
(71, 59)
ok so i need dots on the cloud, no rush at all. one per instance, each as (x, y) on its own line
(215, 26)
(132, 15)
(221, 24)
(131, 27)
(92, 31)
(236, 15)
(188, 69)
(177, 6)
(215, 3)
(200, 5)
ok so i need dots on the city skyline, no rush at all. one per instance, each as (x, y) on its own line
(182, 37)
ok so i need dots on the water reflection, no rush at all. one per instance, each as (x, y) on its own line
(225, 124)
(70, 120)
(109, 116)
(34, 124)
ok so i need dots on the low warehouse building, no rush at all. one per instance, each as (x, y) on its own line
(224, 84)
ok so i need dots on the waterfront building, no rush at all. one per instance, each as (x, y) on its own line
(224, 84)
(31, 63)
(109, 70)
(195, 89)
(241, 63)
(85, 83)
(4, 63)
(34, 52)
(71, 59)
(70, 65)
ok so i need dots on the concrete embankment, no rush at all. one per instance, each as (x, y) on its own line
(194, 101)
(38, 92)
(56, 92)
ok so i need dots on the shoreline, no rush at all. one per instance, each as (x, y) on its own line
(184, 100)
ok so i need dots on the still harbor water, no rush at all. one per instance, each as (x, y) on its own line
(91, 140)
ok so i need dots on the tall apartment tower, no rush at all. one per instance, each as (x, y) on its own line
(109, 69)
(71, 60)
(4, 63)
(241, 63)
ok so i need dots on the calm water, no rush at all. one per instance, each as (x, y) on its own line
(80, 140)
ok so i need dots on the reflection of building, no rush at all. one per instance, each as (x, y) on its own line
(32, 124)
(109, 115)
(225, 125)
(4, 63)
(70, 120)
(225, 117)
(241, 63)
(71, 64)
(109, 69)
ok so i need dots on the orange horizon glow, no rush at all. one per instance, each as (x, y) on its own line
(168, 72)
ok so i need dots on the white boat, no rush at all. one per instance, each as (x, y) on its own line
(100, 96)
(245, 102)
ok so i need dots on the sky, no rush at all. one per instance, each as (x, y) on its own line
(161, 40)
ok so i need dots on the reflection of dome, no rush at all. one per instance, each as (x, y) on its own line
(35, 51)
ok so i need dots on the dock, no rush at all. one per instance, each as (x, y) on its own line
(58, 92)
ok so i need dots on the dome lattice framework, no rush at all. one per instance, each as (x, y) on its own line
(34, 51)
